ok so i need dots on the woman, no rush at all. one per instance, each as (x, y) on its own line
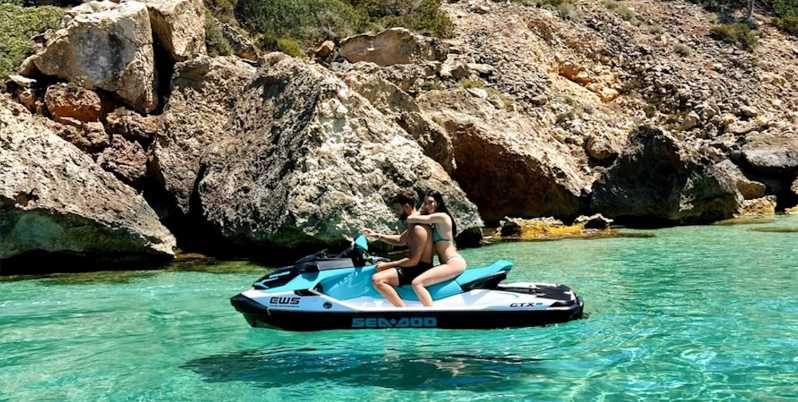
(435, 214)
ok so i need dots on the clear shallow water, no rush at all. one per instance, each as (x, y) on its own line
(703, 313)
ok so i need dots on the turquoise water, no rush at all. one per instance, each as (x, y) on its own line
(702, 313)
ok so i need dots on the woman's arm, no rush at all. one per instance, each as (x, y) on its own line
(431, 219)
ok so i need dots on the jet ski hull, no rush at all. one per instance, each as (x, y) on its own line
(320, 293)
(258, 315)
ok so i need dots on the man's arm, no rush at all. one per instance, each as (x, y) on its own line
(394, 240)
(418, 236)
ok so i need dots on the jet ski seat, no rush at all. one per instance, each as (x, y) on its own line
(352, 285)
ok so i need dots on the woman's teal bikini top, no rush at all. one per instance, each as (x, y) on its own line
(436, 235)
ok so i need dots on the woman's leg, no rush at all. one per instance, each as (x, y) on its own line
(385, 282)
(449, 270)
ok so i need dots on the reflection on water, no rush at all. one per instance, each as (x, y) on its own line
(396, 369)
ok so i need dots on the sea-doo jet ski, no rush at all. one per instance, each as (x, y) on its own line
(322, 292)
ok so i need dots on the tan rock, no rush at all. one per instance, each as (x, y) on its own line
(242, 46)
(132, 125)
(89, 137)
(28, 98)
(539, 229)
(772, 153)
(72, 101)
(179, 26)
(325, 49)
(389, 47)
(602, 147)
(575, 73)
(108, 46)
(125, 159)
(764, 206)
(506, 163)
(750, 189)
(403, 109)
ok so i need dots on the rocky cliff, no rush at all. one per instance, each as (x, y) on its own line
(634, 110)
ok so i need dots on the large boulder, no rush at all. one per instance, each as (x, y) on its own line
(658, 179)
(178, 26)
(772, 154)
(199, 113)
(307, 161)
(392, 101)
(55, 200)
(391, 46)
(108, 46)
(750, 189)
(506, 163)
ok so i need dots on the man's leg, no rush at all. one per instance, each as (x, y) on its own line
(385, 282)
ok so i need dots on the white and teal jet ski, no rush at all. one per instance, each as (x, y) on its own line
(322, 292)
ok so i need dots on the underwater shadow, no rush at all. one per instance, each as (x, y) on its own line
(400, 370)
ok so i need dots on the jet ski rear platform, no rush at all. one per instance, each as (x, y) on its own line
(321, 293)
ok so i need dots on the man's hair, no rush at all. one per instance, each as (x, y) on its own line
(406, 196)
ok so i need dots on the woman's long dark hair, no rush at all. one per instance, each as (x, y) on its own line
(440, 206)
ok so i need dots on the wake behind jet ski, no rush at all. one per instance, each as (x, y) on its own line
(322, 292)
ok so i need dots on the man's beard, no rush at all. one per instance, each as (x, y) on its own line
(403, 217)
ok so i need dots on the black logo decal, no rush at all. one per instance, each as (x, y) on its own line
(284, 300)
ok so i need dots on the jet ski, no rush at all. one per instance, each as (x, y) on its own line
(322, 292)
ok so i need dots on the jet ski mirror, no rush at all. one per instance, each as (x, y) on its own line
(361, 242)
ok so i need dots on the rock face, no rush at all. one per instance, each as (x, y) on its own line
(503, 163)
(596, 221)
(395, 103)
(309, 161)
(764, 206)
(505, 177)
(125, 159)
(749, 189)
(132, 125)
(772, 154)
(179, 26)
(199, 114)
(55, 199)
(657, 179)
(89, 137)
(389, 47)
(108, 46)
(72, 101)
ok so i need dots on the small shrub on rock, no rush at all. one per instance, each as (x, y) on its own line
(215, 41)
(472, 84)
(682, 50)
(17, 26)
(621, 9)
(739, 34)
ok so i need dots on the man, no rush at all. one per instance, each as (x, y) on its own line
(417, 238)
